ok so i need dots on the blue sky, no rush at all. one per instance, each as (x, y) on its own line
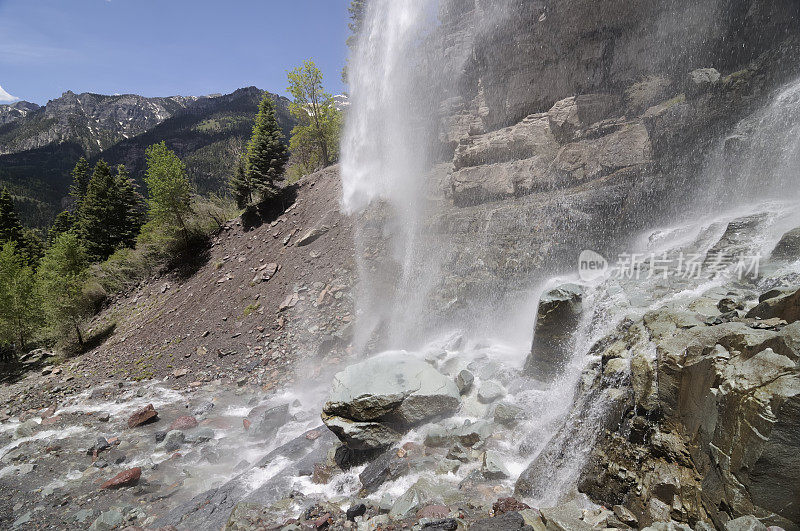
(165, 47)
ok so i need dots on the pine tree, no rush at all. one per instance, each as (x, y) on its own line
(169, 192)
(108, 216)
(10, 226)
(80, 181)
(60, 282)
(20, 312)
(64, 222)
(241, 186)
(128, 207)
(266, 154)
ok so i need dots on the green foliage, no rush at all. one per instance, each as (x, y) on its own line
(109, 215)
(358, 11)
(64, 222)
(315, 139)
(265, 160)
(11, 230)
(20, 313)
(80, 181)
(10, 226)
(60, 282)
(240, 185)
(168, 190)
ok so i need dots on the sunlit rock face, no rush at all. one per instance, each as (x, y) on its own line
(373, 402)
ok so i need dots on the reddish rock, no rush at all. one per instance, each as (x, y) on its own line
(127, 478)
(246, 424)
(218, 423)
(508, 505)
(322, 474)
(50, 421)
(49, 412)
(322, 521)
(142, 416)
(313, 435)
(183, 423)
(433, 511)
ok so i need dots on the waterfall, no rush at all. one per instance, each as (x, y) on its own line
(387, 156)
(399, 76)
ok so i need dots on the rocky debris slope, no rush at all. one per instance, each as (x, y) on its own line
(257, 307)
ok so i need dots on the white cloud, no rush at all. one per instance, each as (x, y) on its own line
(5, 97)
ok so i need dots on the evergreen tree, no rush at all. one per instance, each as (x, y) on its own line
(64, 222)
(128, 206)
(241, 186)
(80, 181)
(10, 226)
(168, 190)
(108, 217)
(20, 312)
(60, 282)
(266, 155)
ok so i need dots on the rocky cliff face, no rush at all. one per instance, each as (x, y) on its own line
(16, 111)
(574, 123)
(93, 121)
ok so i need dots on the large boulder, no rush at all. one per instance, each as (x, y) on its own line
(557, 318)
(788, 248)
(373, 402)
(785, 306)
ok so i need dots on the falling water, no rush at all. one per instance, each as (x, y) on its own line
(398, 76)
(387, 156)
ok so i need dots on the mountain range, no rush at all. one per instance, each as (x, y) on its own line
(39, 145)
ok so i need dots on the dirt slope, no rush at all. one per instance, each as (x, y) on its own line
(224, 321)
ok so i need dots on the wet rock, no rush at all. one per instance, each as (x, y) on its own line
(468, 434)
(729, 304)
(508, 505)
(433, 512)
(412, 500)
(26, 429)
(199, 435)
(126, 478)
(183, 423)
(558, 316)
(459, 453)
(493, 466)
(371, 413)
(203, 408)
(355, 511)
(266, 421)
(464, 382)
(505, 522)
(508, 414)
(700, 81)
(626, 516)
(786, 307)
(246, 516)
(490, 392)
(172, 441)
(569, 115)
(143, 416)
(103, 417)
(564, 518)
(745, 523)
(788, 248)
(443, 524)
